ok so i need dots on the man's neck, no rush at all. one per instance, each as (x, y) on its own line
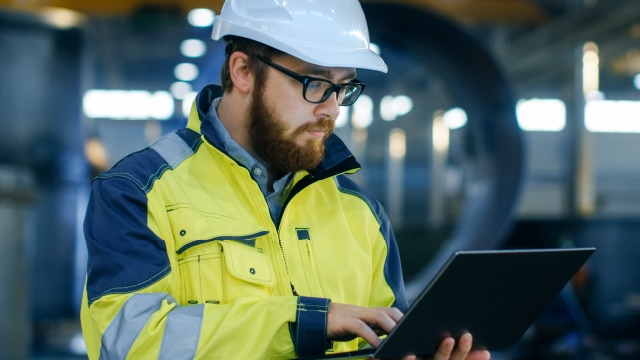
(234, 119)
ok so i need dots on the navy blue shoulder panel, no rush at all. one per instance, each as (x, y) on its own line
(392, 266)
(124, 254)
(147, 165)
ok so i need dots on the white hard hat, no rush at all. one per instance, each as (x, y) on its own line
(330, 33)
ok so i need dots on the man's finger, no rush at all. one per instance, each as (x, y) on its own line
(364, 331)
(394, 313)
(463, 348)
(381, 319)
(445, 349)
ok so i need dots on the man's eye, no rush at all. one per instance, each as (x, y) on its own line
(315, 86)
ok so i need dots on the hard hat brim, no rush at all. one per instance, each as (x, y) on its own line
(360, 58)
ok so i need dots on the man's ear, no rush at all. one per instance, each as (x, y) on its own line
(240, 72)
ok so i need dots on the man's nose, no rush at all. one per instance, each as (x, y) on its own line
(330, 107)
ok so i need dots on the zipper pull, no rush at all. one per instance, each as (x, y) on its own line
(293, 289)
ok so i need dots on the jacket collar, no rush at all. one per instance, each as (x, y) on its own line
(337, 157)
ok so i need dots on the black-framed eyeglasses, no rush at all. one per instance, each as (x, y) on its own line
(317, 90)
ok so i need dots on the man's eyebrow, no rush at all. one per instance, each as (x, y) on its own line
(326, 73)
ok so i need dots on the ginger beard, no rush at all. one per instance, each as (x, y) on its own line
(270, 141)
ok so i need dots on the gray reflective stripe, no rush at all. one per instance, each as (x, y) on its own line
(182, 333)
(127, 325)
(172, 149)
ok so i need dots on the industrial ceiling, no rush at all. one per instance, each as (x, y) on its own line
(135, 41)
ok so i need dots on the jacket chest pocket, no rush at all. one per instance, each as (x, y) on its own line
(248, 271)
(224, 271)
(217, 262)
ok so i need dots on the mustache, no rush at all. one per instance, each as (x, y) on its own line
(325, 124)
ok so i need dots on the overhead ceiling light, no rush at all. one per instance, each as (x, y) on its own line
(62, 18)
(362, 112)
(590, 68)
(441, 134)
(541, 114)
(180, 89)
(193, 48)
(397, 143)
(612, 116)
(392, 107)
(128, 104)
(455, 118)
(201, 17)
(186, 72)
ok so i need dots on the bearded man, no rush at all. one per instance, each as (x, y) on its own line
(242, 236)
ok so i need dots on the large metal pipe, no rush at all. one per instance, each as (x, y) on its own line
(495, 142)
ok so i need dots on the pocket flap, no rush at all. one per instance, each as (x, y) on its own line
(191, 227)
(248, 264)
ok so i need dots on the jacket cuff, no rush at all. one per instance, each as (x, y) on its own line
(309, 332)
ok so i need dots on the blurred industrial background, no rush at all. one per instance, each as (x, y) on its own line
(501, 124)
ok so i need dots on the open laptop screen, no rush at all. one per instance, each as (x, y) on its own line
(495, 295)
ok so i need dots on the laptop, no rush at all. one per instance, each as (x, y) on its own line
(495, 295)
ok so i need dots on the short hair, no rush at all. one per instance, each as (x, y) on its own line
(251, 48)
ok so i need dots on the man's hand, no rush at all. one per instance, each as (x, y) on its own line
(448, 350)
(345, 322)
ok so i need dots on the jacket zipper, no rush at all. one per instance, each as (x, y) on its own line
(284, 260)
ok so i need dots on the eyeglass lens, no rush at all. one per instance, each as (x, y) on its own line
(318, 90)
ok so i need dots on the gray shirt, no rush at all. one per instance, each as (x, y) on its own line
(281, 187)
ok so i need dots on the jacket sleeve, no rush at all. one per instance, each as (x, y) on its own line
(128, 310)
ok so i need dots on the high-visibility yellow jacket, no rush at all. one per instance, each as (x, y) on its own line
(185, 261)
